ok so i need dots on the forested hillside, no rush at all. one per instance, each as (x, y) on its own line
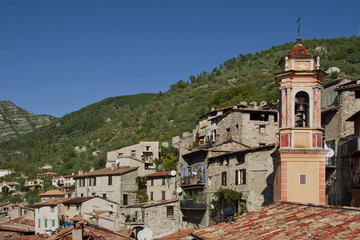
(81, 139)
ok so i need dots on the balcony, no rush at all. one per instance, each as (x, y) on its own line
(351, 147)
(331, 162)
(195, 181)
(193, 204)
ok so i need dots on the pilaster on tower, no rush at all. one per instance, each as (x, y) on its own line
(299, 161)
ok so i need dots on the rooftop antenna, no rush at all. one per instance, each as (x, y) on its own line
(298, 40)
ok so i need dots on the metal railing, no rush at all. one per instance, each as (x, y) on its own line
(351, 147)
(191, 180)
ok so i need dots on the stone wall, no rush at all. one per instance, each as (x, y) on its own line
(156, 218)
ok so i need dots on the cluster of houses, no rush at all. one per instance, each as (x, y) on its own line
(303, 149)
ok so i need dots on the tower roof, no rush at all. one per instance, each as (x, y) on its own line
(299, 50)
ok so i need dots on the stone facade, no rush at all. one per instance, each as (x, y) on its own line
(162, 218)
(145, 152)
(338, 104)
(161, 186)
(115, 184)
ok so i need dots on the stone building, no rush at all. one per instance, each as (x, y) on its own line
(115, 184)
(34, 183)
(162, 217)
(161, 186)
(250, 125)
(339, 102)
(140, 155)
(229, 165)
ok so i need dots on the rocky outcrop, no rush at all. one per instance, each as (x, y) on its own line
(15, 121)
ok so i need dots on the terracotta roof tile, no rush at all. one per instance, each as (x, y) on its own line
(158, 174)
(299, 49)
(53, 193)
(289, 221)
(108, 171)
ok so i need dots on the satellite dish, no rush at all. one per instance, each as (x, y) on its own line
(145, 234)
(173, 173)
(179, 190)
(330, 153)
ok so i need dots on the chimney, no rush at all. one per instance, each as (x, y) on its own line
(80, 172)
(91, 169)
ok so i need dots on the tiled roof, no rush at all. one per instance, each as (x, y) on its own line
(182, 234)
(12, 183)
(158, 174)
(53, 193)
(159, 203)
(18, 225)
(108, 171)
(47, 173)
(50, 202)
(77, 200)
(89, 232)
(70, 175)
(289, 221)
(299, 49)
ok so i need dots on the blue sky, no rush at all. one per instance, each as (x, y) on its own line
(57, 56)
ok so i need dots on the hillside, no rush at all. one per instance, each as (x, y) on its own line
(15, 121)
(81, 139)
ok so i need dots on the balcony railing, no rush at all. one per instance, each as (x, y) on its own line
(331, 162)
(192, 180)
(351, 147)
(193, 204)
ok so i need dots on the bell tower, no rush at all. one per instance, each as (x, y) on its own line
(299, 161)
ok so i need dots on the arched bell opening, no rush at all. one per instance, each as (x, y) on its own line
(301, 109)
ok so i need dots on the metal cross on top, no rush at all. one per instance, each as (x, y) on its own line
(298, 22)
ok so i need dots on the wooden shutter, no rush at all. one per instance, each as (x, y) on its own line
(237, 177)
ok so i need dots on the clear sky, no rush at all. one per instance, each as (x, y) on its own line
(57, 56)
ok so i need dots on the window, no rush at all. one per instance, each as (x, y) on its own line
(39, 222)
(81, 195)
(53, 223)
(303, 179)
(133, 153)
(262, 129)
(104, 195)
(162, 195)
(93, 194)
(120, 154)
(223, 179)
(170, 212)
(94, 179)
(52, 209)
(151, 196)
(163, 181)
(125, 199)
(109, 180)
(147, 148)
(240, 176)
(152, 182)
(332, 98)
(45, 222)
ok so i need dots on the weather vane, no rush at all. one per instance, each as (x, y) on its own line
(298, 22)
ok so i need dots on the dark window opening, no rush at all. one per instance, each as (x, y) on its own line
(256, 116)
(301, 109)
(223, 179)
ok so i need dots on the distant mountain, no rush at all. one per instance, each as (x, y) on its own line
(121, 121)
(15, 121)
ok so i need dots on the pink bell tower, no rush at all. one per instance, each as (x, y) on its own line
(299, 161)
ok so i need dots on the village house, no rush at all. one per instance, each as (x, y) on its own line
(47, 215)
(17, 228)
(8, 186)
(116, 184)
(162, 217)
(161, 186)
(65, 182)
(34, 183)
(339, 102)
(97, 210)
(140, 155)
(230, 165)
